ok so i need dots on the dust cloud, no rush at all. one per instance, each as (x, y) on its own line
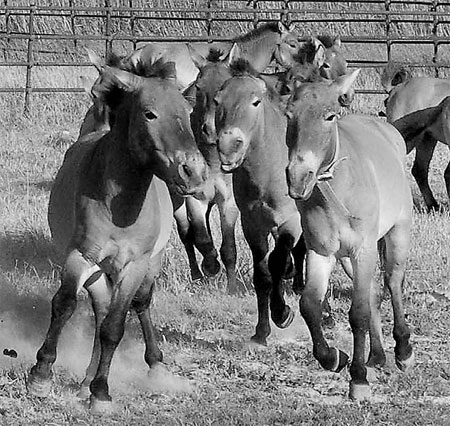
(24, 320)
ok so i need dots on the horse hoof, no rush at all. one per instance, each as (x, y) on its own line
(341, 361)
(406, 364)
(39, 387)
(84, 392)
(258, 340)
(359, 391)
(98, 406)
(211, 267)
(288, 320)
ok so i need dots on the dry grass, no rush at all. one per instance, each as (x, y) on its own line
(203, 331)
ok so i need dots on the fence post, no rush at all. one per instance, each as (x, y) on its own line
(108, 43)
(434, 32)
(72, 21)
(30, 58)
(387, 6)
(132, 24)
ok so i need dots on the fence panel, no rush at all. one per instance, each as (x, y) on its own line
(41, 37)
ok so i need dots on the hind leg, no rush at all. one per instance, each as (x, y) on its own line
(186, 233)
(228, 217)
(397, 246)
(77, 271)
(198, 214)
(447, 179)
(424, 154)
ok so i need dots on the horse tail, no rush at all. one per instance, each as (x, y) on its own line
(394, 74)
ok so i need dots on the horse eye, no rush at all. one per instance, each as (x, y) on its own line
(256, 102)
(331, 117)
(150, 115)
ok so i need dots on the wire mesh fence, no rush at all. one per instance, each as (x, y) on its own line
(42, 38)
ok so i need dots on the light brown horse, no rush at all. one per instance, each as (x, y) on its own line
(348, 179)
(250, 130)
(416, 107)
(272, 41)
(111, 213)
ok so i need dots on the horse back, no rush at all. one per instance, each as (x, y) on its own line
(416, 94)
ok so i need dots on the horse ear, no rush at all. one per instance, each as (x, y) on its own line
(319, 52)
(199, 60)
(345, 82)
(190, 94)
(282, 28)
(234, 54)
(337, 42)
(112, 84)
(95, 59)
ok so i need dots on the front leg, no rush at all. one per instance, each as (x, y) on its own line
(257, 235)
(318, 270)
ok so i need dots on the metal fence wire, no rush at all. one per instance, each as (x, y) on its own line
(37, 36)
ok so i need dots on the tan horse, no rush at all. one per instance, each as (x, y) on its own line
(269, 42)
(250, 130)
(111, 213)
(348, 179)
(416, 107)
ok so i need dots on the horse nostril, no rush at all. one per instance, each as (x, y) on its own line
(187, 170)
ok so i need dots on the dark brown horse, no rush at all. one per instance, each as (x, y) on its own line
(348, 179)
(416, 106)
(251, 129)
(110, 213)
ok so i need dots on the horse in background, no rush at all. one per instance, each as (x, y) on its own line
(416, 106)
(347, 176)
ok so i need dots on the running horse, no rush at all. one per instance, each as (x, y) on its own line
(272, 41)
(348, 178)
(417, 107)
(251, 142)
(111, 211)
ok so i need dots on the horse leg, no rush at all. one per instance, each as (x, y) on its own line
(77, 271)
(228, 217)
(198, 214)
(424, 154)
(257, 240)
(360, 318)
(447, 178)
(318, 270)
(279, 261)
(112, 330)
(186, 233)
(299, 253)
(100, 293)
(397, 246)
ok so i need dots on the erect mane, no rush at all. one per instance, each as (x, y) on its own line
(159, 68)
(327, 40)
(269, 27)
(241, 67)
(215, 55)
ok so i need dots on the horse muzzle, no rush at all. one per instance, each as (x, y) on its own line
(191, 174)
(232, 147)
(300, 182)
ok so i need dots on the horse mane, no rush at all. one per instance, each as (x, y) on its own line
(257, 32)
(159, 68)
(215, 55)
(306, 53)
(241, 67)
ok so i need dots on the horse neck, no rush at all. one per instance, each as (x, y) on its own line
(121, 174)
(261, 50)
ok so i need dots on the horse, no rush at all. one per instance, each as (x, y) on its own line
(250, 138)
(413, 106)
(272, 41)
(347, 176)
(109, 208)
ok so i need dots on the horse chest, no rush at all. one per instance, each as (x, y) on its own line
(114, 246)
